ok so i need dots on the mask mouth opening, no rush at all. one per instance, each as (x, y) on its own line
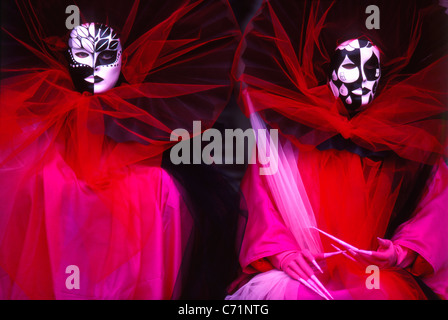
(93, 79)
(361, 91)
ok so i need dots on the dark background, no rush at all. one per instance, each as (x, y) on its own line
(232, 117)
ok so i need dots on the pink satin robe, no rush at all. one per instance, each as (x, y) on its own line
(126, 239)
(351, 200)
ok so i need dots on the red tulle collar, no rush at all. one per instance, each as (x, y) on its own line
(175, 72)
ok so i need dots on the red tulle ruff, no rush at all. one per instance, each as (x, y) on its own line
(283, 68)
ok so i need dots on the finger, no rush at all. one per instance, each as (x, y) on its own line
(343, 243)
(384, 243)
(367, 259)
(364, 252)
(306, 284)
(331, 254)
(314, 262)
(304, 264)
(293, 273)
(308, 275)
(321, 286)
(314, 285)
(296, 269)
(343, 252)
(374, 255)
(386, 248)
(313, 281)
(367, 255)
(336, 247)
(325, 255)
(349, 257)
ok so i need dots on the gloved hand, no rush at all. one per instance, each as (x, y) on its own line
(298, 265)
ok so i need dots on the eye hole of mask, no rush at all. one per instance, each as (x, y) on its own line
(107, 57)
(349, 66)
(82, 55)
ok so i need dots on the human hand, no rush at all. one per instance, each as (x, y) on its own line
(298, 265)
(387, 255)
(384, 257)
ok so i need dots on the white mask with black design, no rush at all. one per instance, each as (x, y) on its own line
(355, 72)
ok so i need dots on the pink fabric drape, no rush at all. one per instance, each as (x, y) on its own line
(425, 232)
(127, 240)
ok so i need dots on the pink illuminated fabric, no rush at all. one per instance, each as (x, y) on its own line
(353, 198)
(127, 239)
(425, 233)
(282, 76)
(81, 178)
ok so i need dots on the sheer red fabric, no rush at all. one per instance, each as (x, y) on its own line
(176, 71)
(283, 68)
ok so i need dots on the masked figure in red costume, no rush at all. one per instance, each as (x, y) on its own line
(87, 209)
(362, 179)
